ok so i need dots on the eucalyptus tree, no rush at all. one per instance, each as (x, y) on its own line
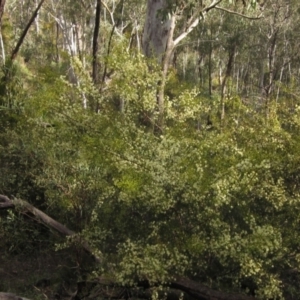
(264, 63)
(169, 22)
(273, 41)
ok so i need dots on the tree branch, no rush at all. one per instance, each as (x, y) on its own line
(186, 32)
(194, 21)
(111, 13)
(239, 14)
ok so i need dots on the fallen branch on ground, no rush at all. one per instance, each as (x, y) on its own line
(6, 203)
(194, 289)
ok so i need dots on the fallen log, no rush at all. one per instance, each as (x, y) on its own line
(7, 203)
(10, 296)
(202, 292)
(192, 288)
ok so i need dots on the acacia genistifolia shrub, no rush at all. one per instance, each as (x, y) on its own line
(219, 206)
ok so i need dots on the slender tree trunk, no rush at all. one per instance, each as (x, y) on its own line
(24, 33)
(2, 6)
(224, 81)
(8, 74)
(284, 64)
(37, 21)
(165, 66)
(210, 70)
(57, 42)
(262, 79)
(95, 42)
(2, 47)
(280, 81)
(76, 35)
(271, 63)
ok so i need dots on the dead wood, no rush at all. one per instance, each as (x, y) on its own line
(200, 291)
(6, 203)
(10, 296)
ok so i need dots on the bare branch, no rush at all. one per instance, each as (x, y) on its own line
(212, 5)
(239, 14)
(111, 13)
(194, 21)
(186, 32)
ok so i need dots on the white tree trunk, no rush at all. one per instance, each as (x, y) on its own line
(157, 30)
(2, 48)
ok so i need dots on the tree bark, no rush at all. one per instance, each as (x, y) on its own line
(158, 32)
(158, 43)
